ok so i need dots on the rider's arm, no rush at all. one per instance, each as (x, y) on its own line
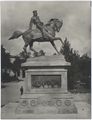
(31, 23)
(39, 20)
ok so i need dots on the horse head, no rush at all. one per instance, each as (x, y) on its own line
(58, 24)
(55, 23)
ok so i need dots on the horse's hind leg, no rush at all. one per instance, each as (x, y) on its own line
(25, 47)
(53, 44)
(31, 47)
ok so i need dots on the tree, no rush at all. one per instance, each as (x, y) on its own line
(70, 55)
(17, 66)
(80, 69)
(5, 64)
(85, 68)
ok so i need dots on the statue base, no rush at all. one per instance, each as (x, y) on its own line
(46, 87)
(46, 104)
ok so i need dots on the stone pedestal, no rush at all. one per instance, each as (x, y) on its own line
(46, 87)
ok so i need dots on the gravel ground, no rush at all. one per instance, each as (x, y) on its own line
(10, 93)
(8, 112)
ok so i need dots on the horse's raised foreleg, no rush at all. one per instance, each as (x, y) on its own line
(58, 38)
(53, 44)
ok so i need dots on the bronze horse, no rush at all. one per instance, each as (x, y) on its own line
(31, 36)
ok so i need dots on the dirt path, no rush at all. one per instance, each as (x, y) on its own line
(11, 92)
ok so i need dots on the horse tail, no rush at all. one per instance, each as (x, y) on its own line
(15, 35)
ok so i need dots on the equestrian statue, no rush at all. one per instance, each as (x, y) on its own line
(42, 33)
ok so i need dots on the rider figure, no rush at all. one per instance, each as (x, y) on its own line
(36, 21)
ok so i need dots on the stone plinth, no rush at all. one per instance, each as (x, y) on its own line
(53, 61)
(46, 87)
(47, 103)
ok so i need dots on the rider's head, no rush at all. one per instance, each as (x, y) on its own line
(35, 12)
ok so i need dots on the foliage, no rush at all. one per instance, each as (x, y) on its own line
(40, 53)
(80, 69)
(35, 54)
(21, 58)
(6, 64)
(23, 55)
(5, 58)
(16, 66)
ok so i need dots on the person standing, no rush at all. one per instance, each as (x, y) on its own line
(21, 90)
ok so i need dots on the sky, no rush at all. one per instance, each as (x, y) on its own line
(76, 27)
